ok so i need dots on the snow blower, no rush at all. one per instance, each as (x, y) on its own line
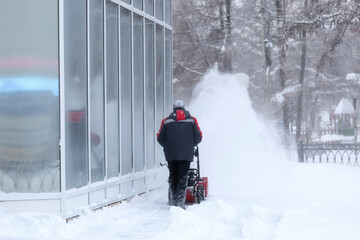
(197, 187)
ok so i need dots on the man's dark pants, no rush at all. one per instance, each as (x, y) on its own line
(178, 176)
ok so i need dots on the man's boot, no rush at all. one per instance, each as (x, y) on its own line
(172, 197)
(181, 192)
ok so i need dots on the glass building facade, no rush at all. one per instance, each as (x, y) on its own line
(84, 85)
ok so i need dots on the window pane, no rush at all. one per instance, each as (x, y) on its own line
(96, 90)
(159, 9)
(29, 96)
(77, 174)
(139, 94)
(138, 4)
(159, 82)
(149, 7)
(159, 74)
(150, 94)
(168, 11)
(126, 1)
(112, 90)
(126, 118)
(168, 71)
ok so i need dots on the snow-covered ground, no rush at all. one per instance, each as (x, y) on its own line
(257, 190)
(336, 138)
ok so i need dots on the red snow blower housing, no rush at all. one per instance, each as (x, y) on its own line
(197, 187)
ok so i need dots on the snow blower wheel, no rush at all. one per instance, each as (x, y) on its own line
(200, 194)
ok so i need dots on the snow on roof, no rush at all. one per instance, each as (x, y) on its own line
(353, 76)
(344, 107)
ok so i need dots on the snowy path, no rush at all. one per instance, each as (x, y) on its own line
(147, 217)
(322, 204)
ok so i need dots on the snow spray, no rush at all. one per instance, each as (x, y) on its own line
(239, 152)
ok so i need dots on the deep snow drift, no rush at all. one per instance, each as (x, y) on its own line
(257, 192)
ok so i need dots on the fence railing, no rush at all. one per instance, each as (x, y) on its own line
(337, 153)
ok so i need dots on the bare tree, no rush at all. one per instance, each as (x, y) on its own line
(227, 39)
(239, 36)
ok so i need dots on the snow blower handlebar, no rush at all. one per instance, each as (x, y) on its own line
(196, 153)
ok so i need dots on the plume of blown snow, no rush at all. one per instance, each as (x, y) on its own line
(239, 152)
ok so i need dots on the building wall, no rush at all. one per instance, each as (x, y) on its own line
(113, 87)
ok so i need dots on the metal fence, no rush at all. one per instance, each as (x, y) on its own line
(338, 153)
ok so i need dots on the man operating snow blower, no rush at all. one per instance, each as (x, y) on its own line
(179, 133)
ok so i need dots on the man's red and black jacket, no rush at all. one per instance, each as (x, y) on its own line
(178, 135)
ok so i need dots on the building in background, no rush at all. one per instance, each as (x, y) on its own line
(84, 85)
(343, 118)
